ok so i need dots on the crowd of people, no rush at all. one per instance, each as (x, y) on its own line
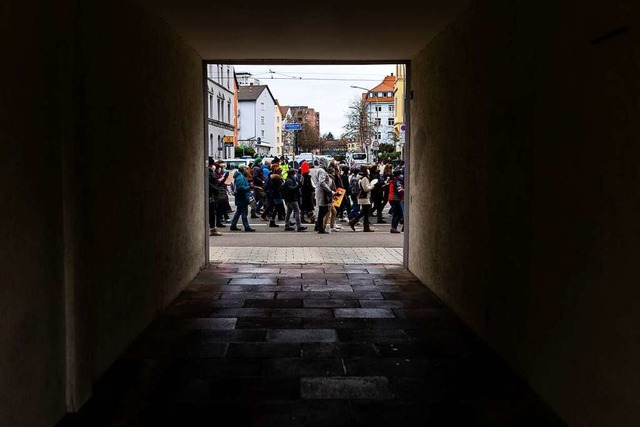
(324, 194)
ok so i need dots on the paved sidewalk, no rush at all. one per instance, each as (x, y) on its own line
(309, 345)
(306, 255)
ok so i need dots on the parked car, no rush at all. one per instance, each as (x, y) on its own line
(308, 157)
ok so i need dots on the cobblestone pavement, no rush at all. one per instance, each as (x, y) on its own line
(309, 345)
(306, 255)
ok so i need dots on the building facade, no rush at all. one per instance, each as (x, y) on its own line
(278, 131)
(380, 105)
(221, 117)
(398, 102)
(256, 118)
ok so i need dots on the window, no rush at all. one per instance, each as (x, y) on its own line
(210, 106)
(229, 111)
(378, 121)
(389, 94)
(378, 107)
(390, 121)
(391, 108)
(261, 120)
(277, 119)
(262, 133)
(378, 136)
(262, 106)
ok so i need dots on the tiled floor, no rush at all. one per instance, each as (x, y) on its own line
(309, 345)
(306, 255)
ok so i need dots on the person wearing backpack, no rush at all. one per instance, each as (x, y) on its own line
(290, 192)
(354, 189)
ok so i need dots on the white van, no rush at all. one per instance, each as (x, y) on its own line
(234, 163)
(356, 159)
(308, 157)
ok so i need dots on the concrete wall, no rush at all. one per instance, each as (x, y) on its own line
(101, 193)
(526, 187)
(32, 391)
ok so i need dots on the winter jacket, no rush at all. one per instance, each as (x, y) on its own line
(323, 189)
(366, 185)
(292, 188)
(396, 189)
(242, 187)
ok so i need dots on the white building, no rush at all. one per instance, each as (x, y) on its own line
(256, 118)
(381, 109)
(279, 131)
(221, 117)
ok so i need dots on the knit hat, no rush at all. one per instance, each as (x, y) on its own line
(258, 160)
(304, 167)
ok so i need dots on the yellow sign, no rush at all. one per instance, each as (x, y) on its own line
(227, 139)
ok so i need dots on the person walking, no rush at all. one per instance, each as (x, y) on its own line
(345, 206)
(242, 190)
(222, 197)
(364, 200)
(377, 193)
(291, 195)
(275, 203)
(354, 190)
(258, 187)
(396, 196)
(324, 196)
(214, 214)
(331, 215)
(307, 199)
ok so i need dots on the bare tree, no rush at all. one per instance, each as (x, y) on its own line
(307, 139)
(359, 124)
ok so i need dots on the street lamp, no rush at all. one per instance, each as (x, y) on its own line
(377, 117)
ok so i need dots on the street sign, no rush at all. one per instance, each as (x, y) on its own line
(227, 138)
(367, 141)
(292, 126)
(374, 144)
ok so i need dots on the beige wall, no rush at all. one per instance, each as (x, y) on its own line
(525, 182)
(101, 110)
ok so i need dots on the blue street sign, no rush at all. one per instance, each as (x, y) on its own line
(292, 126)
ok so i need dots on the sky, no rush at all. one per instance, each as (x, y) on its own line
(325, 88)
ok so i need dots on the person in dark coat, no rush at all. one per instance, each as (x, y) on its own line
(376, 194)
(307, 203)
(214, 215)
(345, 206)
(291, 194)
(275, 203)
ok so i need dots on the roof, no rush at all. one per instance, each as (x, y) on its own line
(387, 84)
(253, 92)
(250, 93)
(283, 110)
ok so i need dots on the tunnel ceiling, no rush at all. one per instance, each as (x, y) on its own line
(306, 31)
